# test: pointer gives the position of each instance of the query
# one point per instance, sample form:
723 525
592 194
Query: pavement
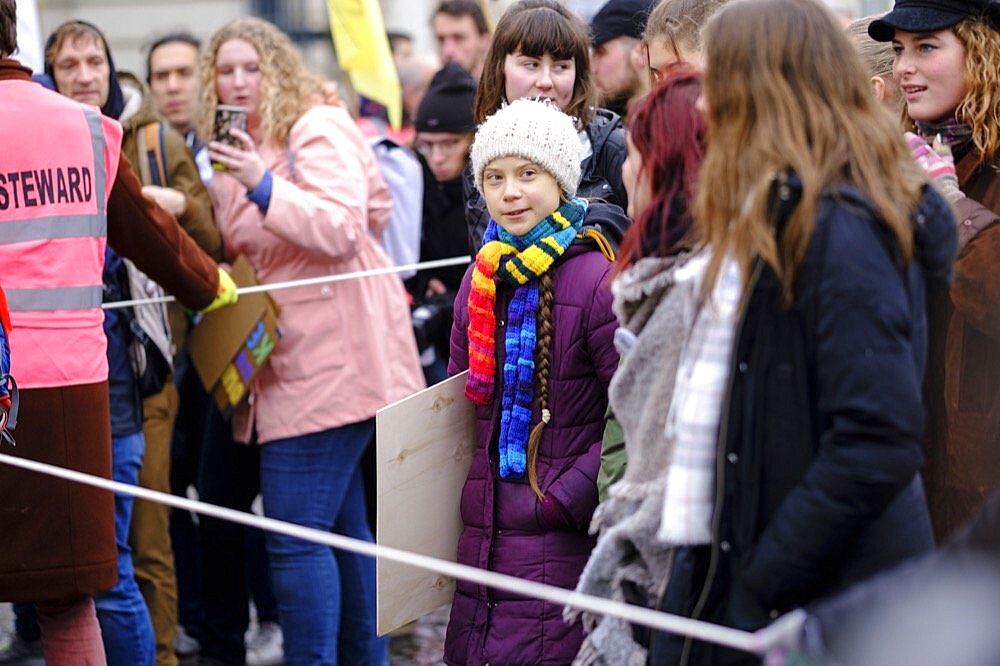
420 643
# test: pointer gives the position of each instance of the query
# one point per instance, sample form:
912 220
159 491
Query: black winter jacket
939 608
442 233
600 178
820 438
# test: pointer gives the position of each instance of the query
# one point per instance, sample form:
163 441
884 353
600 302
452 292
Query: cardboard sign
424 448
229 346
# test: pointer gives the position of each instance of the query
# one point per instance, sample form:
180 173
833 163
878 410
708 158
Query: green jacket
612 456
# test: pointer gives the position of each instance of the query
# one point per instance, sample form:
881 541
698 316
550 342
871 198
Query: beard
618 101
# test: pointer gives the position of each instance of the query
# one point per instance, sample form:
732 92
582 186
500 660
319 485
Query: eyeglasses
446 147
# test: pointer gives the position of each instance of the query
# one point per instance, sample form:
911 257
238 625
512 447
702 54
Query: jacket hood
138 106
605 122
115 103
609 221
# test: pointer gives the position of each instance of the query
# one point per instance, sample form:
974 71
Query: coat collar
12 69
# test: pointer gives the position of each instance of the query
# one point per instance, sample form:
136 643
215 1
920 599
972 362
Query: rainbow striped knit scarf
533 254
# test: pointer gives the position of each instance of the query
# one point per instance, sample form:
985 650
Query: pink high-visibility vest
58 161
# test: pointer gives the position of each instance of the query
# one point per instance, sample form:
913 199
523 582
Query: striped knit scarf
533 254
951 132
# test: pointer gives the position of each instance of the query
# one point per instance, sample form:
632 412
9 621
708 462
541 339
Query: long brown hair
8 27
536 28
786 91
287 88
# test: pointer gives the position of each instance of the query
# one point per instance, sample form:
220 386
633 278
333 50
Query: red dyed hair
668 130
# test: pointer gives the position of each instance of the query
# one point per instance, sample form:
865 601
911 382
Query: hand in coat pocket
553 515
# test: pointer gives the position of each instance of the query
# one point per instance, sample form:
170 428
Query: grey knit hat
535 130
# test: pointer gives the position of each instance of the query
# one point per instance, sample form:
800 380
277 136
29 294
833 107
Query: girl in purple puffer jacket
533 324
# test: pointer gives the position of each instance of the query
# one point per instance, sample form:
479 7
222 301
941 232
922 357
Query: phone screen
227 118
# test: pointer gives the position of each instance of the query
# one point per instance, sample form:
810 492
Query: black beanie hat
447 104
620 18
115 103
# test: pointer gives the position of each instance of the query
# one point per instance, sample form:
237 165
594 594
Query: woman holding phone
300 197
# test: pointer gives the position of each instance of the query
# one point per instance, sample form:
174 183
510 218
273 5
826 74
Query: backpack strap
592 234
152 155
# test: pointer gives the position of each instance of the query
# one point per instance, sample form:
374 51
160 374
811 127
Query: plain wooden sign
424 447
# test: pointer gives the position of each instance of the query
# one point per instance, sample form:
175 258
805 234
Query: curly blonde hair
980 107
287 88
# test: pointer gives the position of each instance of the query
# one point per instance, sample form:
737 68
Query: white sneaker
264 646
19 651
185 645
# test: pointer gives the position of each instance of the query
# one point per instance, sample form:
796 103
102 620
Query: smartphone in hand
227 118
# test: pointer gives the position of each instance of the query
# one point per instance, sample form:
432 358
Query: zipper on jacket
720 470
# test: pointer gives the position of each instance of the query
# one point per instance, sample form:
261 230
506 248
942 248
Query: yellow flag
363 52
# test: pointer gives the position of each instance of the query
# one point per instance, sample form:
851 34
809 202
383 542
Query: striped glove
936 159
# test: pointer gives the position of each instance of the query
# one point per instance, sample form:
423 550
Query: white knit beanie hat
535 130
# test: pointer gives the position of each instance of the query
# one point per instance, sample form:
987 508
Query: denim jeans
125 625
326 598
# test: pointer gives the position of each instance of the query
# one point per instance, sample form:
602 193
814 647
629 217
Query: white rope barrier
305 282
658 620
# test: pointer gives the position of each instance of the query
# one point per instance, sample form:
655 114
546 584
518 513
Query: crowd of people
731 332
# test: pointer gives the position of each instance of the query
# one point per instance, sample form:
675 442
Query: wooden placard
424 447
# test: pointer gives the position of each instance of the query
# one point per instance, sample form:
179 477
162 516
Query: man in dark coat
445 130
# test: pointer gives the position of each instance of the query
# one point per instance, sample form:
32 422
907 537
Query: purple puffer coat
504 529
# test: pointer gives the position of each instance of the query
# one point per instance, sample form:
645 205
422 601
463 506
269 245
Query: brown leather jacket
964 410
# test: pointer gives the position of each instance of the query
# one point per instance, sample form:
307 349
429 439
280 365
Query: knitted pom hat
535 130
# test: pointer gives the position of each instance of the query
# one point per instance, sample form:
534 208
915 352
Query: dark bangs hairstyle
668 130
535 28
8 27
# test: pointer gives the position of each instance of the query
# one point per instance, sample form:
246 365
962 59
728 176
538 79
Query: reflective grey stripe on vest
56 226
49 299
54 298
97 140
